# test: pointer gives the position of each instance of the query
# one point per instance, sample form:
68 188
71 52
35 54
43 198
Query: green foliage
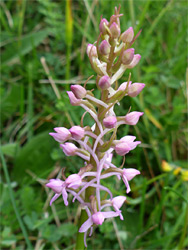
32 156
156 213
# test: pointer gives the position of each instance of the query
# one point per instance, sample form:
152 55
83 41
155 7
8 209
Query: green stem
28 243
80 236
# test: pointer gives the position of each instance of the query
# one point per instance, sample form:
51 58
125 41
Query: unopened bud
135 61
77 132
115 30
133 117
91 50
102 26
128 35
62 134
104 48
69 148
122 148
123 86
73 100
135 89
110 122
79 91
127 56
104 82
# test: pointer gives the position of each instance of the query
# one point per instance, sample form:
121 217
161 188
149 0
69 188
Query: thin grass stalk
11 193
69 35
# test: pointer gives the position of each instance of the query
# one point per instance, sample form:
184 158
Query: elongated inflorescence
109 56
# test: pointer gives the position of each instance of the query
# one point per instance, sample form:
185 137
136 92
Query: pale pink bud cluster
111 55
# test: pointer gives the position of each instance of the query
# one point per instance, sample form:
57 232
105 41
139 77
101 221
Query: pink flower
127 56
115 30
127 175
104 48
135 89
128 35
129 139
79 91
69 148
123 86
117 203
125 144
58 187
73 100
97 218
73 181
110 122
91 50
132 118
62 134
122 148
135 61
102 26
104 82
77 132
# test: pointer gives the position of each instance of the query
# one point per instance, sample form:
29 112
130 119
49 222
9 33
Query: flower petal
86 225
110 214
65 195
54 198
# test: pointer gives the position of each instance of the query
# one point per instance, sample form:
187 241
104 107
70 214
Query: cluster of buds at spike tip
109 56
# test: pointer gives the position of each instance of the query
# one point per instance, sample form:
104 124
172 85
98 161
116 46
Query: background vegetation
156 214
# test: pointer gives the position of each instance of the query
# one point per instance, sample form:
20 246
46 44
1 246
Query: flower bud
91 50
104 82
118 201
123 86
110 122
135 61
104 48
62 134
73 181
128 35
133 117
56 185
135 89
102 26
127 56
77 132
79 91
73 100
69 148
98 218
122 148
115 30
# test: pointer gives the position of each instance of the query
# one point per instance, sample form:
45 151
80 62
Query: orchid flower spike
110 57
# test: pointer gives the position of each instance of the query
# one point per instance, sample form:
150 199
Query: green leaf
9 149
35 156
23 46
10 101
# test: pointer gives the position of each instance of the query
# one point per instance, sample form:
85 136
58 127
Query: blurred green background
43 40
